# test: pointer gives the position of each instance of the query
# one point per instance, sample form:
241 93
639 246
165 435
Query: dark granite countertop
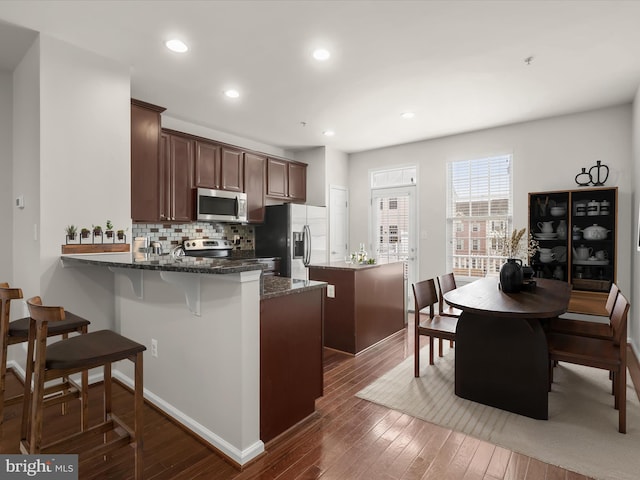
274 286
166 263
346 266
271 286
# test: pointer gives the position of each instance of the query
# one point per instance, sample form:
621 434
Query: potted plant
84 233
109 231
120 234
71 232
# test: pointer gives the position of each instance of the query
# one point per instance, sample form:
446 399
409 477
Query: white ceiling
459 65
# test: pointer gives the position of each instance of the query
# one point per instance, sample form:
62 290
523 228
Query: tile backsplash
170 235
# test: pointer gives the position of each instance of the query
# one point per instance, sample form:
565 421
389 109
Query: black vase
511 277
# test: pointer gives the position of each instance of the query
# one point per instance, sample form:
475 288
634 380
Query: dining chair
586 328
77 355
446 283
429 324
17 331
607 354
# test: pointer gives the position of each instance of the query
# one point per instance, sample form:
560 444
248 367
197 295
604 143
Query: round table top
548 299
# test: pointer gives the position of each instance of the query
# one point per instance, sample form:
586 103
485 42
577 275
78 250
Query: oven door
221 206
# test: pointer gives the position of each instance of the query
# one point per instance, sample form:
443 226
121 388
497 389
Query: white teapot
582 252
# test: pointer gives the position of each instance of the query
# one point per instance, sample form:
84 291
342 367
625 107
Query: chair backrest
611 299
446 283
424 294
619 320
43 314
6 295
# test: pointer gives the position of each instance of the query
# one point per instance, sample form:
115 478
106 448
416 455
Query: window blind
479 213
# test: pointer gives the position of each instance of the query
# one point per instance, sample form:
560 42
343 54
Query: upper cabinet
254 182
286 180
167 165
231 169
577 232
176 194
145 158
207 164
219 167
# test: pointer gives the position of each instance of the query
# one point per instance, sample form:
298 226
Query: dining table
501 355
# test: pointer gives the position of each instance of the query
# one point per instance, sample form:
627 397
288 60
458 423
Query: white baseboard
239 456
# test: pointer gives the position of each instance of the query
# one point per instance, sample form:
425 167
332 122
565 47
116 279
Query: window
479 212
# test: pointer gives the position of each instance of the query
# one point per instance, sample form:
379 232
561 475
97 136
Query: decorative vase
511 277
561 230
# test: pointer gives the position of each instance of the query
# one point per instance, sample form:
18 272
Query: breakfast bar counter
200 319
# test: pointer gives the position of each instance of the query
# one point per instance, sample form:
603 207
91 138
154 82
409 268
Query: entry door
393 236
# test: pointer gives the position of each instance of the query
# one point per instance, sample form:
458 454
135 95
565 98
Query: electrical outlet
331 291
154 348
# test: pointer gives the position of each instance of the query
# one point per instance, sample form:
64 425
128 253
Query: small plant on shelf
97 232
109 231
72 231
120 235
84 233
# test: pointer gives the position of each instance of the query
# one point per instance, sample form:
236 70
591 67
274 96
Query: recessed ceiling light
232 93
176 45
328 133
321 54
408 115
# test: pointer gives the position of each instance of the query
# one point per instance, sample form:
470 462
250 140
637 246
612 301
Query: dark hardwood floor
347 438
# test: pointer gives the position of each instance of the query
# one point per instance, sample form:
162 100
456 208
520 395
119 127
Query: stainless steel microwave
221 206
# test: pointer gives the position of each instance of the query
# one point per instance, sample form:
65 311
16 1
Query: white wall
72 164
547 155
6 190
26 176
634 317
181 126
316 174
337 168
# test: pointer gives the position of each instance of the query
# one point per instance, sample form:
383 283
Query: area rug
581 434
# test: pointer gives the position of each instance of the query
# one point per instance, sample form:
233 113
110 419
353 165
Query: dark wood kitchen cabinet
176 178
290 359
218 167
254 166
367 306
286 180
206 164
145 161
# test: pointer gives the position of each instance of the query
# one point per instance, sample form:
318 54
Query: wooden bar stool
64 358
17 332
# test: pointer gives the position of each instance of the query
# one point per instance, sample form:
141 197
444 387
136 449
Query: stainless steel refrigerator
295 233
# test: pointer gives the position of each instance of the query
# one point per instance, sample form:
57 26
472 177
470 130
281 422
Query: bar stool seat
17 331
74 355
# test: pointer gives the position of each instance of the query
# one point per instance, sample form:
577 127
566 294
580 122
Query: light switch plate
331 291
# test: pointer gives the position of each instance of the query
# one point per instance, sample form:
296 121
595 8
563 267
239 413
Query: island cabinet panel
254 166
145 155
290 359
368 305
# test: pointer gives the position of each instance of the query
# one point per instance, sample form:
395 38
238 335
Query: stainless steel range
207 247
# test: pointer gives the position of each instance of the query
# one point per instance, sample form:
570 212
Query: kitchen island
200 320
365 303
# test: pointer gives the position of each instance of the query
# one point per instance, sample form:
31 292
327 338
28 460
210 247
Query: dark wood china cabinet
577 233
